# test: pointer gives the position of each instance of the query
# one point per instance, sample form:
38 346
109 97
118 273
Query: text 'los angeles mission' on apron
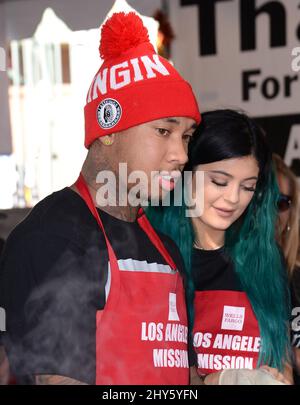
141 334
226 332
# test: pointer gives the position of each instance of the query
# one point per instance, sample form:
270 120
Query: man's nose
178 151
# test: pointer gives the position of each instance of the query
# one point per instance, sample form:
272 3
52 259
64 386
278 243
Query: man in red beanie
93 295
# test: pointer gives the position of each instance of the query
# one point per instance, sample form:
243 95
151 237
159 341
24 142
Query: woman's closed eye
224 184
219 183
249 188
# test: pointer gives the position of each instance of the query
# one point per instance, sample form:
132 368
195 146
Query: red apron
141 335
226 332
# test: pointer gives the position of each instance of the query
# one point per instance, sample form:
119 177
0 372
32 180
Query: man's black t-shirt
54 277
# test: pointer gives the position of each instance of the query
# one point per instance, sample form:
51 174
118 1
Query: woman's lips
224 213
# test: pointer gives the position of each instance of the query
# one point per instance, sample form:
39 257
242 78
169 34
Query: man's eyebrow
171 120
175 121
229 175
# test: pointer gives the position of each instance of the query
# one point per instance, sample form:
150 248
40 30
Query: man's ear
107 140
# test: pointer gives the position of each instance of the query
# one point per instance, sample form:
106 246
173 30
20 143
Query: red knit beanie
134 85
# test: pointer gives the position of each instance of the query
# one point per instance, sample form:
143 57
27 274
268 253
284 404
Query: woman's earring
288 228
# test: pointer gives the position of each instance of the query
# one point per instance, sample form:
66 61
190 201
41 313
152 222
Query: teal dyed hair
250 241
261 271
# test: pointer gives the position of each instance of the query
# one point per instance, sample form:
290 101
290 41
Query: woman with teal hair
236 282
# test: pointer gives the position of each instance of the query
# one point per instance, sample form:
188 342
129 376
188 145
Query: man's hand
47 379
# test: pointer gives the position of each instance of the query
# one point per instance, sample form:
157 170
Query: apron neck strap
152 235
85 194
